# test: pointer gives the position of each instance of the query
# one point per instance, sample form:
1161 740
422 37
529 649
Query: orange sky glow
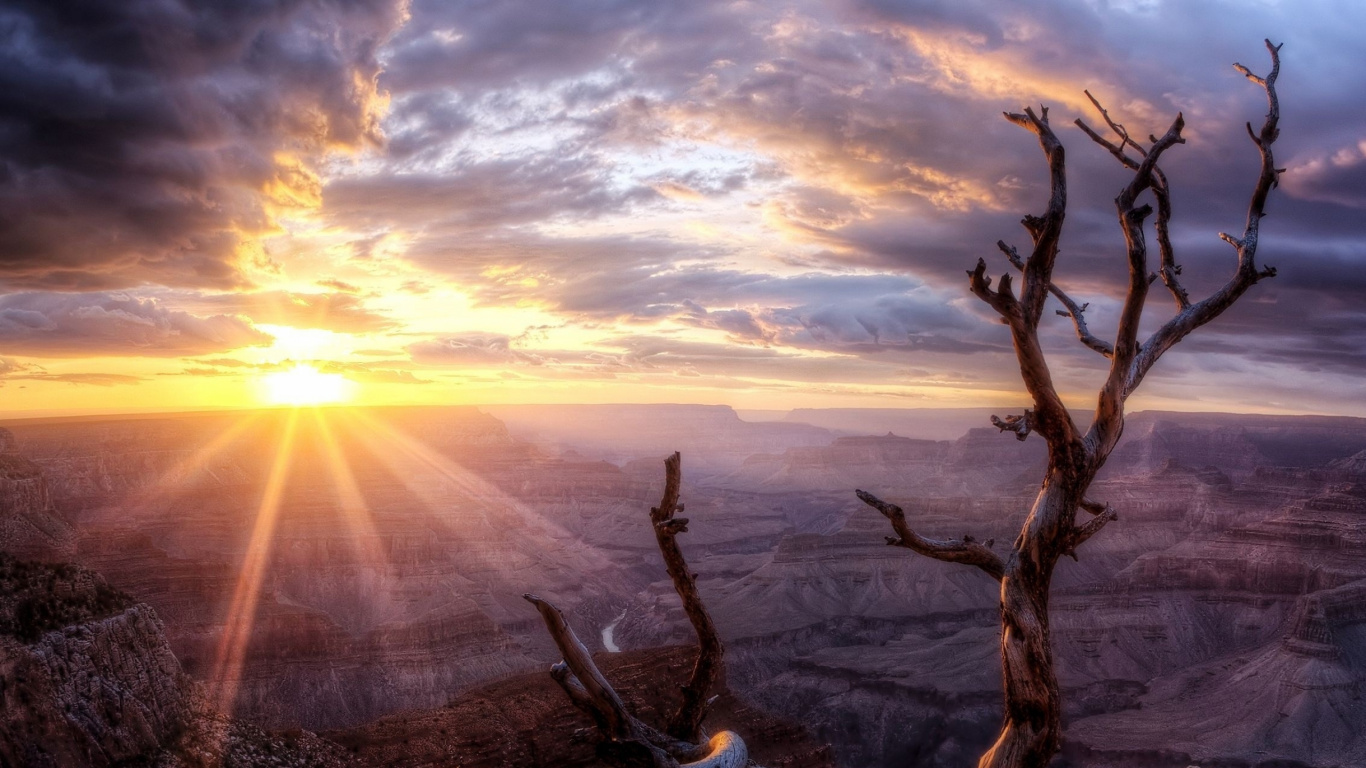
770 207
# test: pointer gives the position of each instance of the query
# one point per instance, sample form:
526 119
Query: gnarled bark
1032 731
686 723
623 739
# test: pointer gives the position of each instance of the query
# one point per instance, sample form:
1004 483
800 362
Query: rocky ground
527 721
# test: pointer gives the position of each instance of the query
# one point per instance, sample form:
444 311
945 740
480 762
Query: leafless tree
623 739
1031 733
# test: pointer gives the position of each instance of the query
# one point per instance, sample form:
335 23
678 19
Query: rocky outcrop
88 679
86 676
1235 443
30 527
396 595
1298 700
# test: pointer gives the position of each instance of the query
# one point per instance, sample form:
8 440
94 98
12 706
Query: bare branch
725 750
687 721
578 695
1115 149
1053 421
1169 269
1020 425
1073 311
1110 409
1046 229
627 741
1247 273
1254 78
1080 533
1094 507
593 686
1002 300
964 550
1124 139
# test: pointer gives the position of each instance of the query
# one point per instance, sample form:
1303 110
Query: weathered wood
686 722
625 741
1073 310
1032 730
965 550
725 750
589 685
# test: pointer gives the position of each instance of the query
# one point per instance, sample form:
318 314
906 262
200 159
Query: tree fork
624 740
1031 733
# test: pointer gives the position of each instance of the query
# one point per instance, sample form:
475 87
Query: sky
766 204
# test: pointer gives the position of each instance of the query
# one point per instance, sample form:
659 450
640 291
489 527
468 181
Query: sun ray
170 482
355 510
232 646
396 445
404 446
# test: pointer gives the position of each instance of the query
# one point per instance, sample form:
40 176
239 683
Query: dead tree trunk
1032 731
624 740
686 723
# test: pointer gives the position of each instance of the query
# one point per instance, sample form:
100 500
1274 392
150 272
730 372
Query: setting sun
383 381
305 385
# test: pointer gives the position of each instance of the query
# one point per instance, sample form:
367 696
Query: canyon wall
391 579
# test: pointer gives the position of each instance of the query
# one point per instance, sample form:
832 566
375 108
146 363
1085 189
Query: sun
305 385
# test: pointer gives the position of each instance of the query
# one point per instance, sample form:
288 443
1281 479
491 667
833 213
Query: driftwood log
1032 730
624 740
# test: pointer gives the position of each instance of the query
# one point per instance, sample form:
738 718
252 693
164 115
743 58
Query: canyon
1218 621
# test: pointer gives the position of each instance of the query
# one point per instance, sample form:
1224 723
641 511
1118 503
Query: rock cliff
86 675
30 527
397 556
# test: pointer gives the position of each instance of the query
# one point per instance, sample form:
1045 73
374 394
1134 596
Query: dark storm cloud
85 324
145 140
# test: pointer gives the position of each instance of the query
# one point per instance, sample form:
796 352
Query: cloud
468 349
340 286
13 370
362 372
342 312
1336 178
801 185
481 194
372 374
151 141
98 324
870 137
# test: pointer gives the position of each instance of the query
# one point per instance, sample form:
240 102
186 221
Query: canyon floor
358 573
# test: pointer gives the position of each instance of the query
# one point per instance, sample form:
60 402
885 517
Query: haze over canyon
1219 620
